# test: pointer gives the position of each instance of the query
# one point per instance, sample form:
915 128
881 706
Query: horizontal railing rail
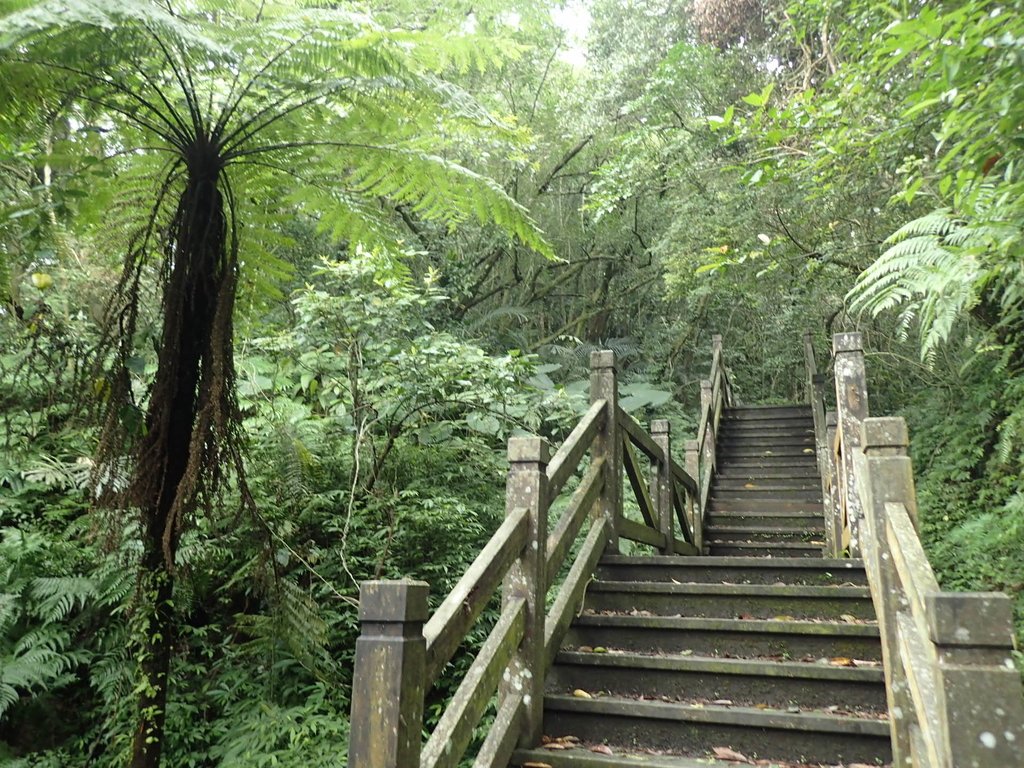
401 653
954 694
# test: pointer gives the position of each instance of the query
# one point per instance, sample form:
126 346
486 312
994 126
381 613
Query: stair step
810 483
774 495
715 570
777 549
729 600
728 453
728 533
777 520
718 636
804 736
583 757
740 464
727 440
768 412
767 426
743 682
764 504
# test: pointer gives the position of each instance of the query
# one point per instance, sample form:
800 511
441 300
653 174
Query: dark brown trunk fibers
163 486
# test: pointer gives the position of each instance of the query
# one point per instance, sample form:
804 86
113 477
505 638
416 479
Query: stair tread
583 757
859 628
754 717
752 590
807 670
712 561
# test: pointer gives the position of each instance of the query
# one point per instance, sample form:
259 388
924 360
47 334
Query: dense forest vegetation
279 279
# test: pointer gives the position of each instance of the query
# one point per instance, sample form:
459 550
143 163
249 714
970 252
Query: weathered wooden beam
571 592
887 484
497 749
663 485
607 443
639 437
580 506
634 531
527 579
852 409
680 505
636 480
447 744
566 460
683 476
462 607
388 678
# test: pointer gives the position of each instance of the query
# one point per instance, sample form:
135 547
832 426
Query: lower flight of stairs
680 662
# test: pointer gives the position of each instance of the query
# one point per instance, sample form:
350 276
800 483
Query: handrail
715 395
954 694
401 653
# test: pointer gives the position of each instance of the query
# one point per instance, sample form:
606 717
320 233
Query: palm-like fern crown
302 109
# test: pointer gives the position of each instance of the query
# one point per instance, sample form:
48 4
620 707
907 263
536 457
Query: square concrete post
707 457
662 484
608 443
830 481
692 467
527 487
980 693
890 479
852 408
389 676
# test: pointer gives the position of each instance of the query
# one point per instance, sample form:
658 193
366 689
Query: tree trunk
163 485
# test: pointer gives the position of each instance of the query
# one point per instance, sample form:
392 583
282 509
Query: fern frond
58 596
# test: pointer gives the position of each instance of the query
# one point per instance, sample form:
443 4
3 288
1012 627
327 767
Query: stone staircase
763 651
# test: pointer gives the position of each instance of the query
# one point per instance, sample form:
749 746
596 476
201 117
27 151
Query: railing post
830 483
980 690
696 513
389 675
662 483
889 478
707 458
608 443
527 486
852 407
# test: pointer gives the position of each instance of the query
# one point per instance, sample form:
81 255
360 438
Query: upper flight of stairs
762 647
766 493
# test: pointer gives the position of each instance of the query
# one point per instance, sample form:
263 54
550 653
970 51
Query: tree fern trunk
165 483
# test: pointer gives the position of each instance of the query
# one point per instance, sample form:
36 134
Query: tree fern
933 270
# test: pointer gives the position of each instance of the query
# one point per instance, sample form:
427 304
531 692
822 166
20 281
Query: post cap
705 384
692 445
398 601
970 618
848 342
660 426
884 432
529 449
831 419
602 358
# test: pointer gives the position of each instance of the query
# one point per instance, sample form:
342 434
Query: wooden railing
401 652
955 697
715 395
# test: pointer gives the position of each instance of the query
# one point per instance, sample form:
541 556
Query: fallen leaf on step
749 485
579 693
585 649
724 753
557 745
723 702
808 450
602 749
848 618
536 765
841 661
